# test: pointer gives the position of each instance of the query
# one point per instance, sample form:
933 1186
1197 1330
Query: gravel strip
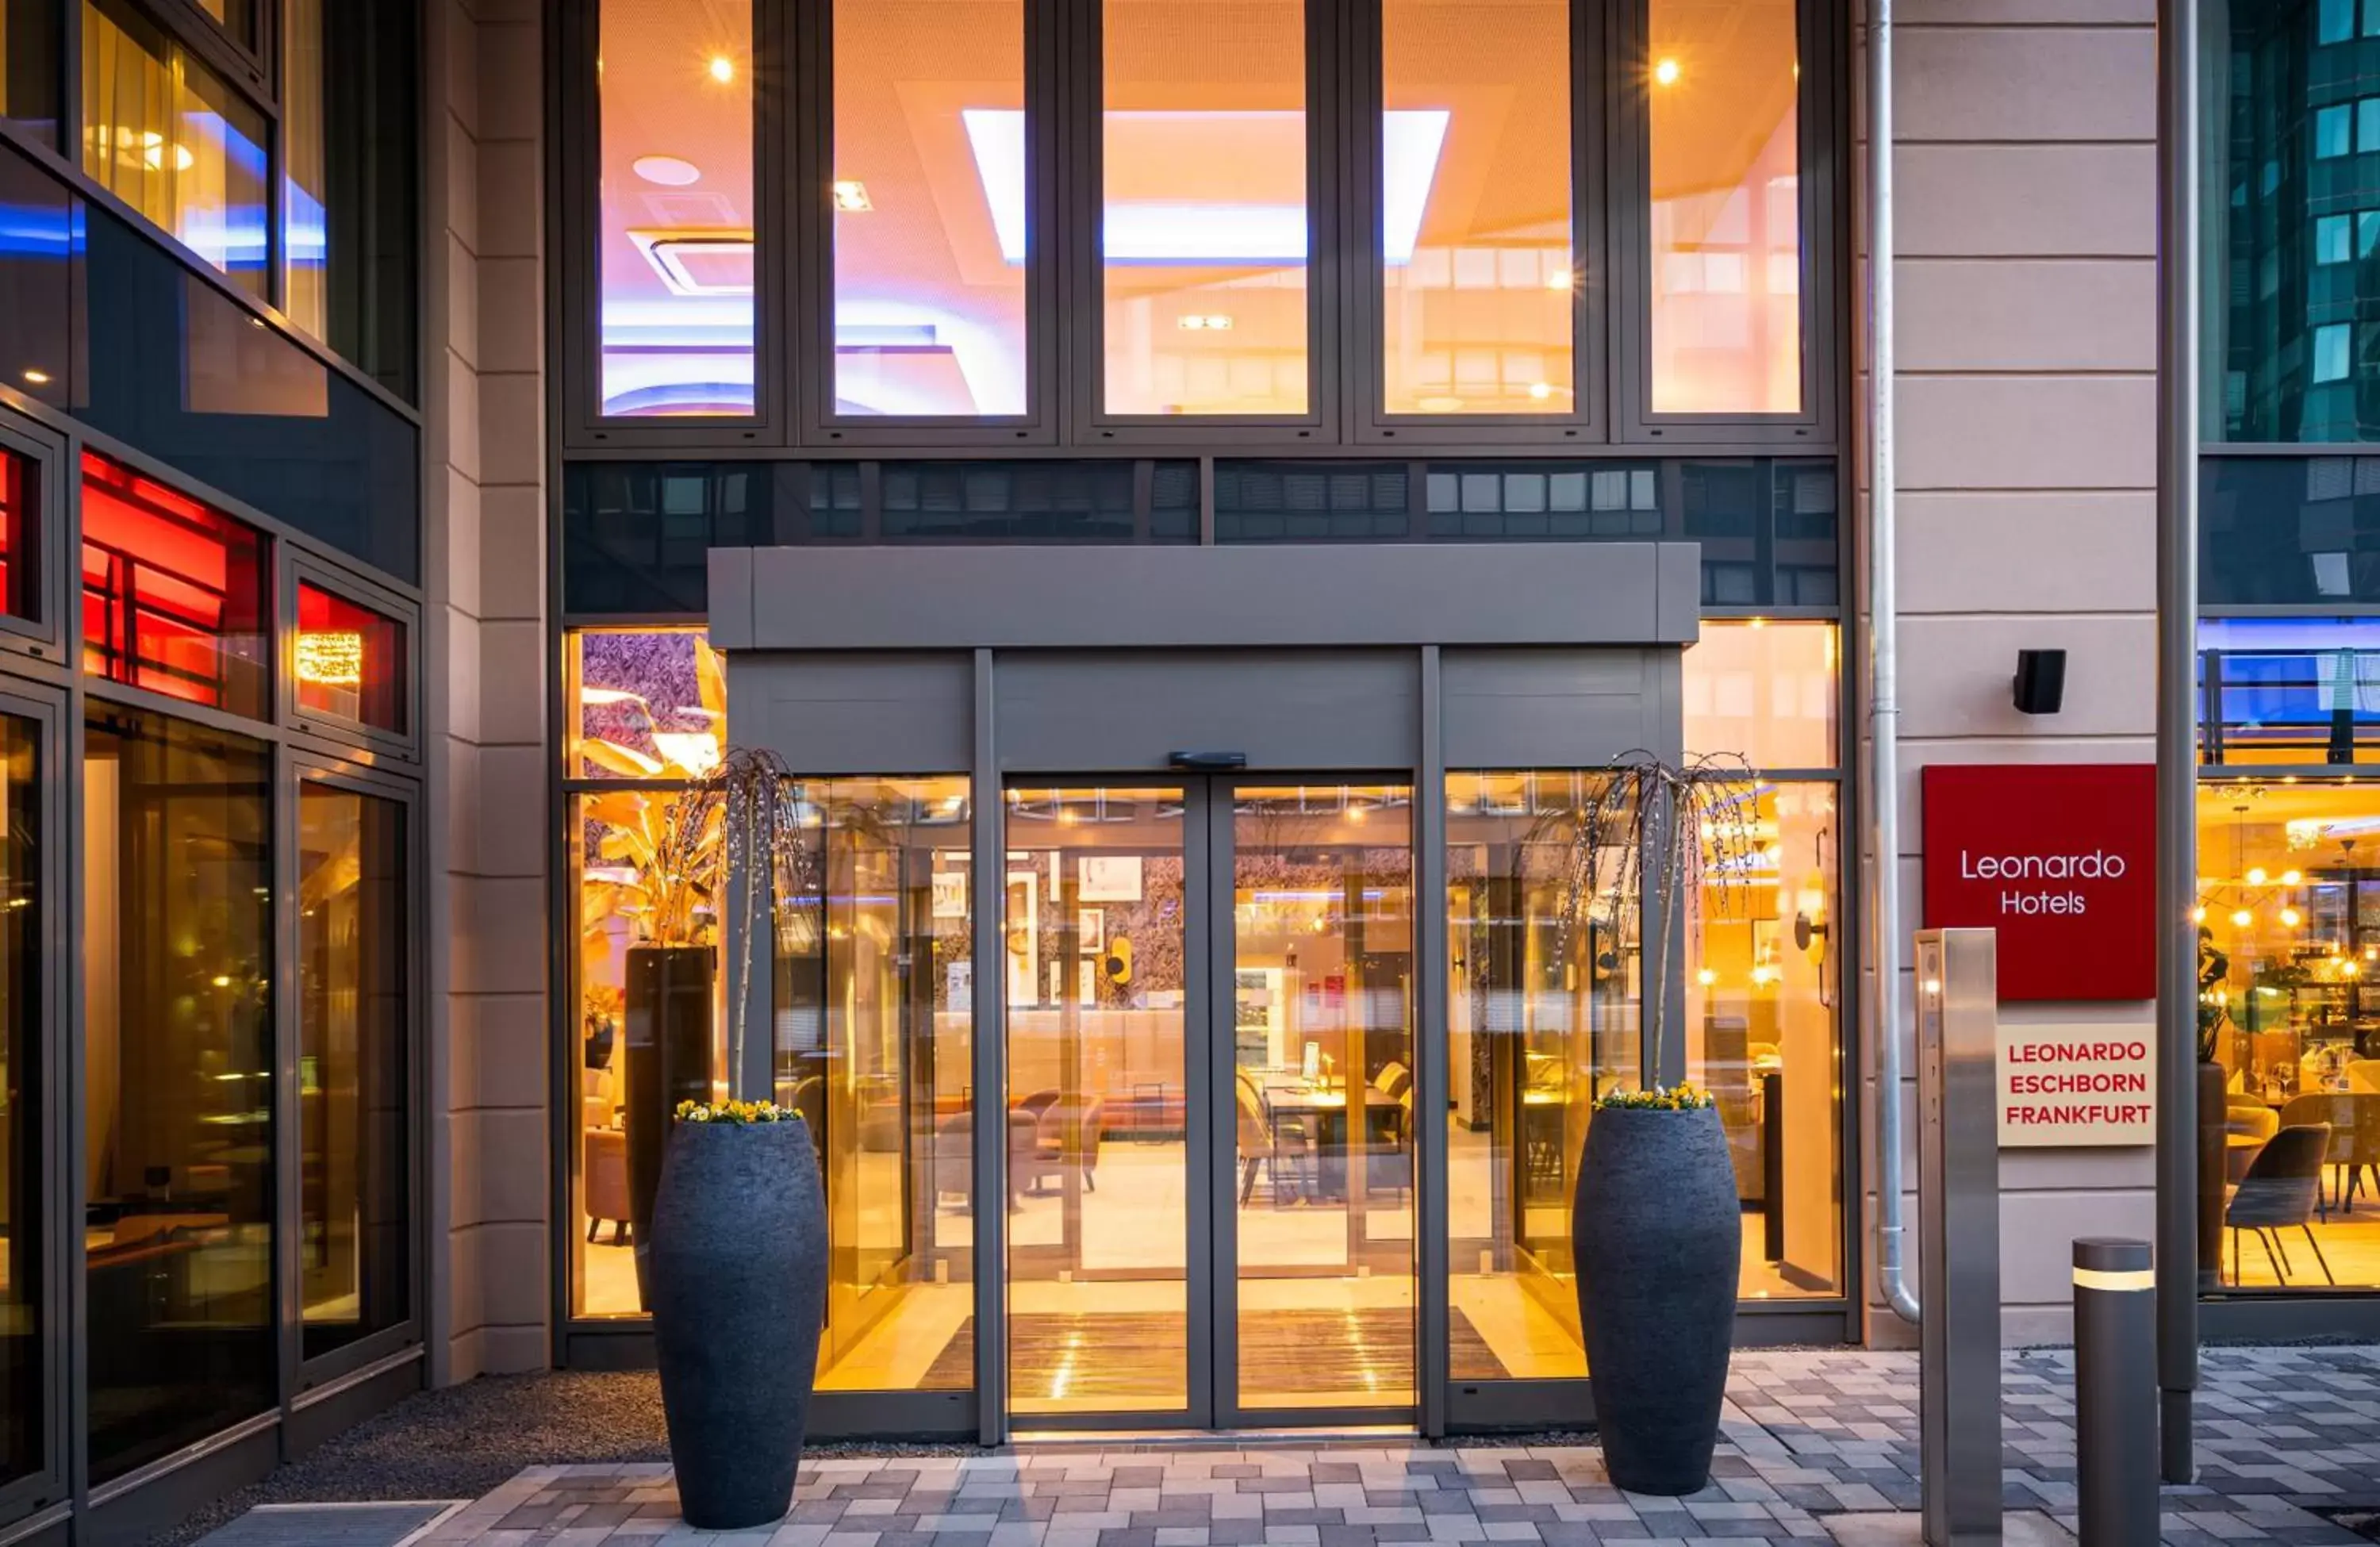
463 1440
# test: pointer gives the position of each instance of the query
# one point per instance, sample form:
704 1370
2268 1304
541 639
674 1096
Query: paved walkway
1819 1445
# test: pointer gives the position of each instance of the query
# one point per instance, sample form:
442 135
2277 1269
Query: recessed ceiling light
1541 390
1209 322
722 68
668 171
851 196
38 378
1666 72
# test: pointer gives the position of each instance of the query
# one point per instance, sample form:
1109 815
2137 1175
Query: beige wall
484 411
2025 140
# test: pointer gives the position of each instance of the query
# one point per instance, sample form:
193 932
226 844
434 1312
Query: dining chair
2280 1191
1262 1137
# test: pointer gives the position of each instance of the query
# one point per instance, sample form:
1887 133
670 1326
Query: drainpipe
1881 1004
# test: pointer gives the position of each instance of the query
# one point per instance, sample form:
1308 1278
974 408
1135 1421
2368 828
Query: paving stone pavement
1818 1445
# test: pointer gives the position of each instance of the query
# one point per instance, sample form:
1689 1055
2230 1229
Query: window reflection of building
353 1065
2288 691
2289 889
677 255
929 206
872 1039
1480 283
1543 1015
1724 83
1204 217
178 1094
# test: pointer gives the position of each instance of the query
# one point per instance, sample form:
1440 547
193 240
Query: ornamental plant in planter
736 1269
1656 1228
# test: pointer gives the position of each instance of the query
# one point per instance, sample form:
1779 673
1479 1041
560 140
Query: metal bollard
2116 1391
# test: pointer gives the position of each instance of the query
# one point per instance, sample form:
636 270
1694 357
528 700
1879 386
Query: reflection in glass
2288 690
21 567
1098 1091
177 1033
351 661
1476 314
23 1310
644 969
650 703
28 67
1322 1048
173 592
1205 224
1724 79
352 1067
677 254
164 134
1763 691
2288 972
305 242
929 206
873 1035
1542 1016
1763 1033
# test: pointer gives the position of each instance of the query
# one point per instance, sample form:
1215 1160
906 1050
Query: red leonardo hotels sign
2060 859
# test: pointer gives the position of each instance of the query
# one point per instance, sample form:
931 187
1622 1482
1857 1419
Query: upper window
167 136
350 661
1725 227
236 18
678 249
28 67
173 592
1478 279
1766 693
647 704
20 563
1204 221
929 200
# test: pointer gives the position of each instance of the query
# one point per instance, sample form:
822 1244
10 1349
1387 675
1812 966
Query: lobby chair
2280 1192
2245 1117
1262 1141
604 1174
2348 1117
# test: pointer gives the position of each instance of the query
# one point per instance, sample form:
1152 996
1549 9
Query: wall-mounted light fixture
2040 681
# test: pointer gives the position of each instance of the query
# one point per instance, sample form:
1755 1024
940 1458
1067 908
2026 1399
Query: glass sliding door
1100 1309
354 1066
1322 961
873 1040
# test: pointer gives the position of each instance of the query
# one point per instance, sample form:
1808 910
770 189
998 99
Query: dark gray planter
669 1061
1659 1238
739 1282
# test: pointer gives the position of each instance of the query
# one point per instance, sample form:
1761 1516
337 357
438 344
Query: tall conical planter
669 995
737 1275
1658 1240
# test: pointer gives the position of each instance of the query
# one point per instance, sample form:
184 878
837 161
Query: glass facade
29 67
25 1006
1204 217
1478 307
173 593
678 254
171 138
354 1067
351 662
931 204
1724 83
179 983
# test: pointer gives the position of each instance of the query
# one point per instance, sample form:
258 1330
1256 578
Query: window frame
1821 125
1588 422
1080 178
813 297
294 768
43 638
575 171
301 568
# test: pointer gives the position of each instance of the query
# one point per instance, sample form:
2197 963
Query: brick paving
1818 1445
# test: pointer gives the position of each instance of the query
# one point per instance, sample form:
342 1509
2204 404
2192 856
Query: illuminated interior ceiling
1205 170
677 249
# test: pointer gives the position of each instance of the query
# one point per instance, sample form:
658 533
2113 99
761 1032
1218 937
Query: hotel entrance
1212 1166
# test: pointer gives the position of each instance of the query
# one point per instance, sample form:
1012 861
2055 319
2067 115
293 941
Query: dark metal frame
42 637
792 296
378 1369
306 569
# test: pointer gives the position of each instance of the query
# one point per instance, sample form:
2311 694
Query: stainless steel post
2116 1391
2176 716
1959 1235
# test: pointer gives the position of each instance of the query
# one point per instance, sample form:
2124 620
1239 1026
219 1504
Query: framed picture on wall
1091 930
1110 878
